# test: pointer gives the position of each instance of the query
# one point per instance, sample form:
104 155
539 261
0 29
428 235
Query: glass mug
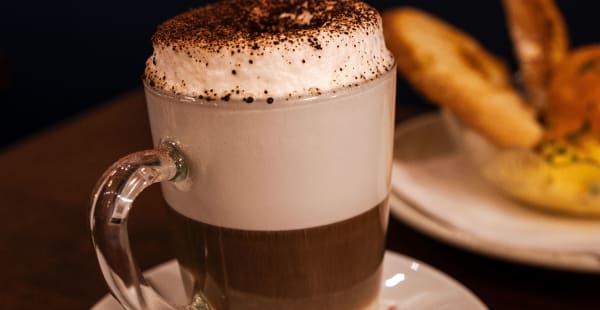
272 206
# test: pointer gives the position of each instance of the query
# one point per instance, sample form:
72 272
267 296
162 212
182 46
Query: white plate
407 284
437 191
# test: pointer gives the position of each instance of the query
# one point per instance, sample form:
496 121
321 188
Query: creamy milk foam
290 115
268 49
281 167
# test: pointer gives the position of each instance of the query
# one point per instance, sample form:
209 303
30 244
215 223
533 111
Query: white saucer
407 284
437 191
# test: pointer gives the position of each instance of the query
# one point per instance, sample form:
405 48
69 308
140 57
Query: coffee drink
284 111
335 266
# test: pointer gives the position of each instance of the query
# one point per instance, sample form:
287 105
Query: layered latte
285 111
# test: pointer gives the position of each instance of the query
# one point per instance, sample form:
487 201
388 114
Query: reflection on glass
393 281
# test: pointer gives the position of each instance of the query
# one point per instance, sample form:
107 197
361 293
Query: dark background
58 59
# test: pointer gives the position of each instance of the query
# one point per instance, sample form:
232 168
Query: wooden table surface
46 256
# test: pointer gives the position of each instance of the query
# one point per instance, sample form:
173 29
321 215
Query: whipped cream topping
267 50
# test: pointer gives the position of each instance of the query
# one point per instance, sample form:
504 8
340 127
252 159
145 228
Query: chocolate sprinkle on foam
289 47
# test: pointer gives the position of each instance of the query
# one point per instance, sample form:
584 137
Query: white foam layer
298 65
281 167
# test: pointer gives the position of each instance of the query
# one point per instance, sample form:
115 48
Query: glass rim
278 101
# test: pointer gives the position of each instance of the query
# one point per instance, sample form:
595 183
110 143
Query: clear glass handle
112 199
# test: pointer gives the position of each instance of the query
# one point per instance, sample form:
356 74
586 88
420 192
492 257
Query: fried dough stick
451 69
541 42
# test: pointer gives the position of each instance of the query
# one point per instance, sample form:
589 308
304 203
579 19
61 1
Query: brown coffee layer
335 266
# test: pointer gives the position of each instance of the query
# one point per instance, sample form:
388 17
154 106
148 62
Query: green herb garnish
575 135
587 66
